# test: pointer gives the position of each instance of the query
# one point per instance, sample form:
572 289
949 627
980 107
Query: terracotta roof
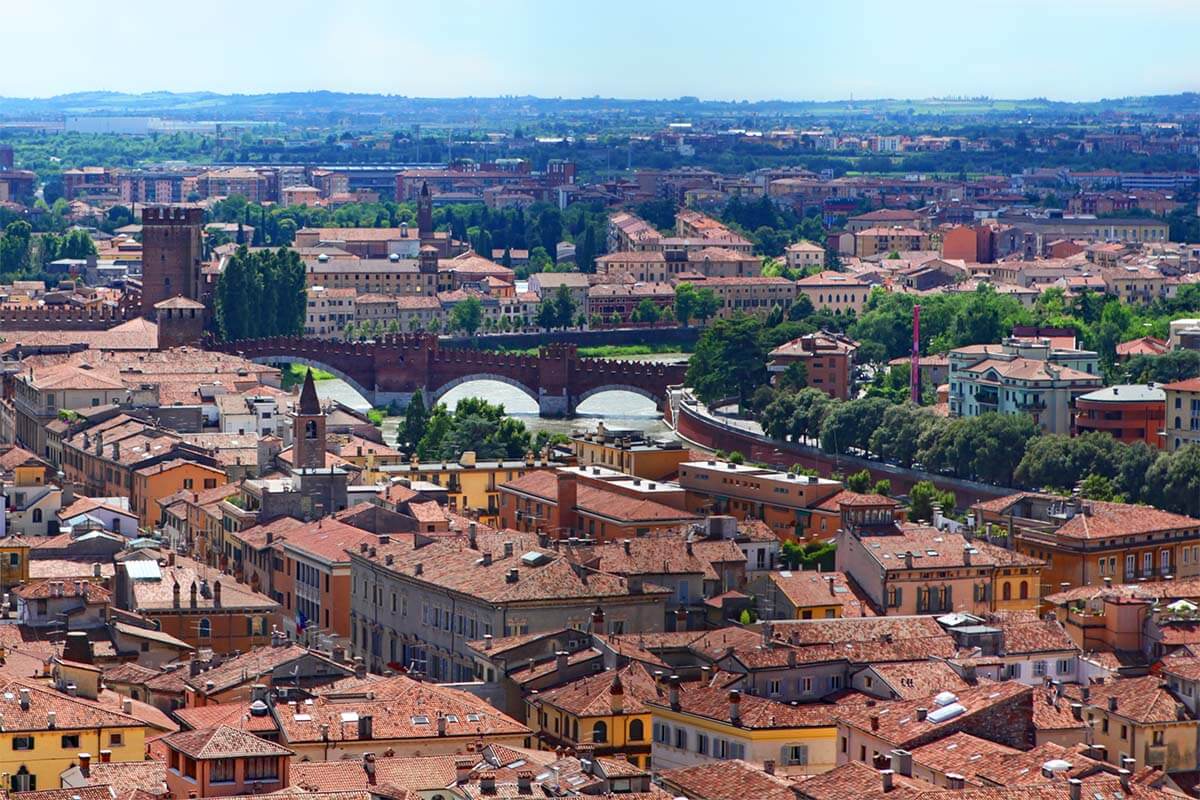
247 667
450 565
1144 700
590 696
128 776
855 780
223 742
1026 633
807 589
42 590
326 539
911 680
854 499
129 672
897 720
404 709
159 595
757 713
234 715
726 780
71 712
1101 519
959 752
543 484
658 555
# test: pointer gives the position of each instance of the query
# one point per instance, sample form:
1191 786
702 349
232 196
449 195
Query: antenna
914 377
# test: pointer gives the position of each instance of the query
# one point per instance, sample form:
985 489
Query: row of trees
474 424
260 293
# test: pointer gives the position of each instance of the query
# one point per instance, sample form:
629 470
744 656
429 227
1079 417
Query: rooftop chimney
886 776
735 707
85 764
369 765
105 756
673 692
598 621
1076 787
902 763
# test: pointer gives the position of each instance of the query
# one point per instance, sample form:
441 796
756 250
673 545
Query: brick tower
172 249
308 429
425 214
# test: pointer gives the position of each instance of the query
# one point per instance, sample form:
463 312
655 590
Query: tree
899 433
736 457
564 306
412 427
686 301
1173 481
848 426
549 227
539 260
467 315
585 250
659 213
882 487
645 311
547 313
707 305
922 498
859 482
729 360
260 293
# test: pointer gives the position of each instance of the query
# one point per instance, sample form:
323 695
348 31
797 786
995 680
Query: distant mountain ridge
213 105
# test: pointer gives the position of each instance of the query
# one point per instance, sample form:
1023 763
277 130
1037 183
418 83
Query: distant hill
308 105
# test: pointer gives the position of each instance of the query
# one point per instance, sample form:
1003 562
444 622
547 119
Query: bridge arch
368 394
436 394
621 387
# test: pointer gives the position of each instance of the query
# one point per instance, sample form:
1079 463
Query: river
617 409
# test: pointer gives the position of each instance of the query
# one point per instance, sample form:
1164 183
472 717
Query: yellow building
14 561
469 483
1140 719
698 724
630 452
606 711
45 731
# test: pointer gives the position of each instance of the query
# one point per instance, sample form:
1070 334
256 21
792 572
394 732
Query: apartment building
755 296
785 502
1181 425
328 311
1138 285
884 240
565 503
629 451
804 255
418 603
469 482
1089 541
1022 376
838 292
827 358
1129 413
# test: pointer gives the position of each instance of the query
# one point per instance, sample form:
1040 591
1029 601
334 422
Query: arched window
1024 590
600 732
37 515
22 781
205 628
575 730
1007 591
636 731
310 429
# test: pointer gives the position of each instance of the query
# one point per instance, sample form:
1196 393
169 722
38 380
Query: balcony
1031 405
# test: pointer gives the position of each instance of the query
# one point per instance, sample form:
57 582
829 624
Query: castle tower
180 322
172 249
308 428
425 214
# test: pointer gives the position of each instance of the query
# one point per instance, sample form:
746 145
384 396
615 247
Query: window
1124 731
1039 668
22 743
262 769
37 515
221 770
681 737
637 731
70 741
662 733
23 781
702 744
600 732
1063 666
773 688
205 628
795 754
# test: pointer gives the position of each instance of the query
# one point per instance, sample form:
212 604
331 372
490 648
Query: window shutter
785 755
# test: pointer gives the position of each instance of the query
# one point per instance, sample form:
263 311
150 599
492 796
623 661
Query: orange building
314 581
1132 413
826 358
166 478
563 504
224 761
786 502
971 244
1086 542
197 605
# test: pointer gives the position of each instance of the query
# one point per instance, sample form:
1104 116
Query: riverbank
292 375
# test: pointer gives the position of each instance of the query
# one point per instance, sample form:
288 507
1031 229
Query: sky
712 49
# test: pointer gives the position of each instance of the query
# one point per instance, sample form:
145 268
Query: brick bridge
392 368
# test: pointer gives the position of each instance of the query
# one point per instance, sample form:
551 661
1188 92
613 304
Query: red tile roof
223 742
726 780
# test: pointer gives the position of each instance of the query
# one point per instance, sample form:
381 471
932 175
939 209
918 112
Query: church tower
425 214
308 429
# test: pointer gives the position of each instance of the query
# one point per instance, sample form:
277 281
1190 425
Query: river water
617 409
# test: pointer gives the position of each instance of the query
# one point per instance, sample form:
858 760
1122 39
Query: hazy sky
714 49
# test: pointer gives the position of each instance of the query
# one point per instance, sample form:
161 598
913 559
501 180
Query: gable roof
223 742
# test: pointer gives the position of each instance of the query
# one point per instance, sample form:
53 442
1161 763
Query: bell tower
425 214
308 428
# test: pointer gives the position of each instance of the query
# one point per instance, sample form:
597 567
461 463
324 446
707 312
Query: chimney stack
85 764
886 775
902 763
735 706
